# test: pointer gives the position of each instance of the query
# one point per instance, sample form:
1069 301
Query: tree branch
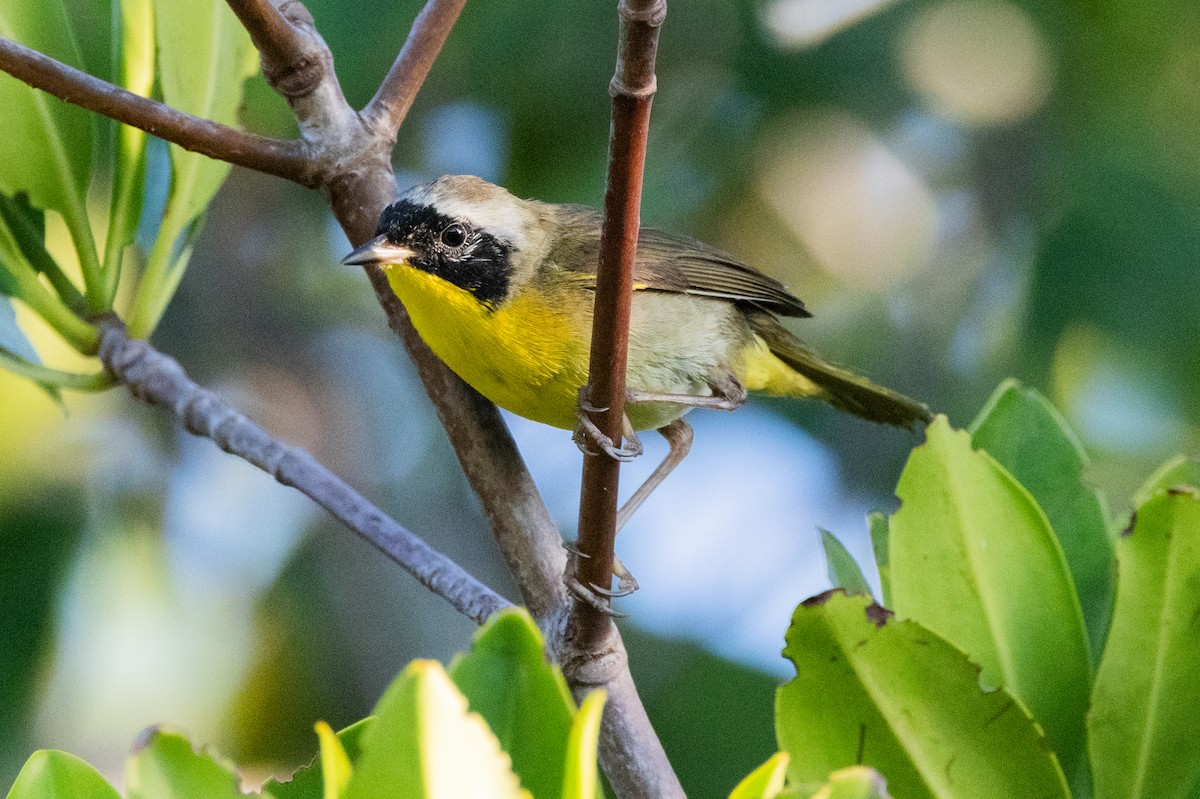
157 379
387 109
286 53
285 159
592 652
632 90
347 157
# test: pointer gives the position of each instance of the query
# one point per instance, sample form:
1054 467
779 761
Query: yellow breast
523 355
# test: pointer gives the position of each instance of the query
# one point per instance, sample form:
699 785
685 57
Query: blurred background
960 190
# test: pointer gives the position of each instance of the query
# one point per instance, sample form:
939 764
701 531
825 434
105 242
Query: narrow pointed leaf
1144 726
50 774
841 567
973 558
580 776
46 149
204 57
335 763
766 781
877 524
892 695
1028 436
424 744
308 782
524 698
133 30
27 228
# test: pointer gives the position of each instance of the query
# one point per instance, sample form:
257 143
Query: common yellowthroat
501 289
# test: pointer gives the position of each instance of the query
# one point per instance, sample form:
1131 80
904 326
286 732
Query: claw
611 594
584 594
587 435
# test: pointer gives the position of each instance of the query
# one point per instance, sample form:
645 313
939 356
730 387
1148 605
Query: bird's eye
454 235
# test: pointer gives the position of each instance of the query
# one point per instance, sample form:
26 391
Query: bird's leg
728 394
679 437
587 434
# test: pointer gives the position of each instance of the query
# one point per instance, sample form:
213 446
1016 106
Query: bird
502 289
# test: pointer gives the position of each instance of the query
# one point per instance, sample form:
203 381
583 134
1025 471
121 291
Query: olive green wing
670 262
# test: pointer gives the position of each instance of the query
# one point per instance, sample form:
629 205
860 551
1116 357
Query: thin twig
399 88
157 379
285 159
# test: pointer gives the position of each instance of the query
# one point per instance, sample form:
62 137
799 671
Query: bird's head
462 229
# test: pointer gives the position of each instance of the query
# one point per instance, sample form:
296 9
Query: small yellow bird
502 289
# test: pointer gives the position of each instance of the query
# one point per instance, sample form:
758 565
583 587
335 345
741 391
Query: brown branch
285 159
632 90
287 54
157 379
593 654
347 157
399 88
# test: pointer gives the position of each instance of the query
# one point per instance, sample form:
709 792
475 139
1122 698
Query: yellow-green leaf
424 744
973 558
766 781
49 774
1144 725
580 779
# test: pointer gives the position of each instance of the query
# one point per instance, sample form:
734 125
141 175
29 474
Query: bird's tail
840 387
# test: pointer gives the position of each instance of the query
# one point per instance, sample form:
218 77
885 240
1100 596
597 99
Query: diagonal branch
399 88
157 379
285 159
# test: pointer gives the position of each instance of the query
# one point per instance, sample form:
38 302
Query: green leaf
204 56
843 571
424 744
1029 437
1144 726
308 782
27 227
133 48
46 149
766 781
18 279
1179 471
164 766
892 695
50 774
856 782
877 523
524 699
335 762
975 561
581 779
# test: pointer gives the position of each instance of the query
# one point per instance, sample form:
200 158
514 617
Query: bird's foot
591 440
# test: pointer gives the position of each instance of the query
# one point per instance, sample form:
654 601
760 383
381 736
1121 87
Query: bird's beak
379 251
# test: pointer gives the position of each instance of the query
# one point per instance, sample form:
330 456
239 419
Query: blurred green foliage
1057 244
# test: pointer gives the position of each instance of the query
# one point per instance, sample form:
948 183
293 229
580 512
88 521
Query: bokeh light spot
980 62
860 211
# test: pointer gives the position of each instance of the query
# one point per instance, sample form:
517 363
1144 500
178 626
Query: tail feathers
842 388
